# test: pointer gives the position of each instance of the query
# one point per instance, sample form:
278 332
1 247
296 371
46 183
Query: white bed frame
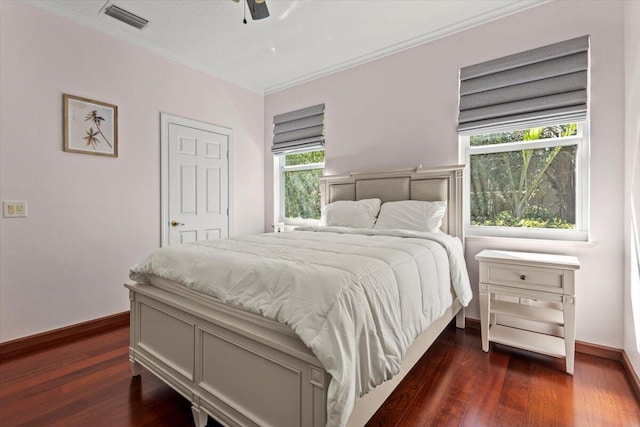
245 370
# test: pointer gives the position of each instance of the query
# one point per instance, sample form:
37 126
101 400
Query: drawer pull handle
523 277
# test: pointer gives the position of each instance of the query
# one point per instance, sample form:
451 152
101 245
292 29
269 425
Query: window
298 149
298 201
527 183
523 135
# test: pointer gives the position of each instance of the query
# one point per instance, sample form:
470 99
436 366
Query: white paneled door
197 181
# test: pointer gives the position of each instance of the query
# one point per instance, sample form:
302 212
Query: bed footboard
242 369
240 372
460 318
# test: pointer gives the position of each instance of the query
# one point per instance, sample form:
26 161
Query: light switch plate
14 208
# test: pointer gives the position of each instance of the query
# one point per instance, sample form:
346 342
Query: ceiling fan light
258 9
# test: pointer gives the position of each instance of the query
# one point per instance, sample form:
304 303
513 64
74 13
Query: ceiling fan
258 9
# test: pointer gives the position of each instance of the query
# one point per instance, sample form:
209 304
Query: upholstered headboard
405 184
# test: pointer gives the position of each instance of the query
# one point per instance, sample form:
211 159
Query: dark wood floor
87 383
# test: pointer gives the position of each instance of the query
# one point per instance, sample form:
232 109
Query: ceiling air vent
125 16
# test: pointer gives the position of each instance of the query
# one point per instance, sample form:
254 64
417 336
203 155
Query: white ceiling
300 41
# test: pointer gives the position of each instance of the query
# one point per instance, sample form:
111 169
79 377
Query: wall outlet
14 208
526 301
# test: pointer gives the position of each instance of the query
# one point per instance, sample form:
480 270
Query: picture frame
90 127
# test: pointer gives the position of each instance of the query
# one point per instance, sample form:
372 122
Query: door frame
165 120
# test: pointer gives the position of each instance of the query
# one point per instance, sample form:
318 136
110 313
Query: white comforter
357 298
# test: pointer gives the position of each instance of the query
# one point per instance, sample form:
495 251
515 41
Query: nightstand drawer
549 280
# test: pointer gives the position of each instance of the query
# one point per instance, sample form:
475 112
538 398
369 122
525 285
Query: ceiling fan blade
258 9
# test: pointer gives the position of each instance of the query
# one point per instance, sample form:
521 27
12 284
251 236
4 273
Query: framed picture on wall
90 127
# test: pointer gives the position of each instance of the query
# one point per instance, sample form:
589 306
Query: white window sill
527 233
301 222
525 242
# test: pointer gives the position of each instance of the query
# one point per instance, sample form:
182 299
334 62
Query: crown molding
127 37
448 30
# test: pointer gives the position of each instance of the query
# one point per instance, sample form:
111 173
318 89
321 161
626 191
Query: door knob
175 223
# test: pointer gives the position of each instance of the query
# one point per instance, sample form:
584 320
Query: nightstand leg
484 316
569 309
492 316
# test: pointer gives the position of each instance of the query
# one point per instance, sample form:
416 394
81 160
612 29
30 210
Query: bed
245 369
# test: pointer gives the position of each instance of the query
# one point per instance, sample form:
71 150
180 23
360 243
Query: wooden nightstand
528 276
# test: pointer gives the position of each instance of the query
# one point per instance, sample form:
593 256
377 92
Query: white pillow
412 215
346 213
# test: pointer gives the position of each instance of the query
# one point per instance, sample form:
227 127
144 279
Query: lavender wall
90 217
400 111
632 187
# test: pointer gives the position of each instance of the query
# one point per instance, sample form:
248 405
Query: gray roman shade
300 130
529 89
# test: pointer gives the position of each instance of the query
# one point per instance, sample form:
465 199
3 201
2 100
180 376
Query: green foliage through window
533 188
309 157
548 132
302 184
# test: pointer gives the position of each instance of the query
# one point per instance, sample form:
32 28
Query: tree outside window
525 178
300 184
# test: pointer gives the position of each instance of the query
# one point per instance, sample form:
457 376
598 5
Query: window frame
581 139
279 169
